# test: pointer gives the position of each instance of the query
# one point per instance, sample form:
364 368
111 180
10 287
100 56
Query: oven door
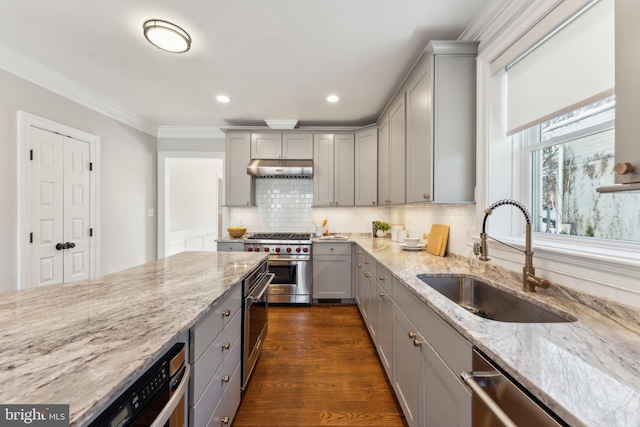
255 323
292 280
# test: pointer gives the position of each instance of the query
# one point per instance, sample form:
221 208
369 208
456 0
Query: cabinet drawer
225 412
446 341
369 264
210 326
332 248
215 356
385 280
230 247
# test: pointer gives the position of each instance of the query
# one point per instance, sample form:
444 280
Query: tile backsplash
287 205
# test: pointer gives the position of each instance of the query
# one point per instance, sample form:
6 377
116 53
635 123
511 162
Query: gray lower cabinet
215 356
230 246
332 271
421 353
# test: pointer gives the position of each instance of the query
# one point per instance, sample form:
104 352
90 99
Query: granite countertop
587 371
82 343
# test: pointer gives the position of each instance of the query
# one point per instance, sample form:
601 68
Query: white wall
127 174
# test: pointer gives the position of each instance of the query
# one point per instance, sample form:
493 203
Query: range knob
277 249
256 249
288 249
297 249
249 249
266 249
305 250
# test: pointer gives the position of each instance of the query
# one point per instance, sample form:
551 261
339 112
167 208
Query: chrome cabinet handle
226 313
469 379
412 334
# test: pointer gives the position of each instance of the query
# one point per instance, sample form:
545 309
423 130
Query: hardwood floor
318 367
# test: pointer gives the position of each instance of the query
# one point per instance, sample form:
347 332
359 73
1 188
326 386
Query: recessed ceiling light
223 98
166 36
333 98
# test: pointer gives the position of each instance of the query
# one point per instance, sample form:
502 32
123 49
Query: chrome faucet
529 279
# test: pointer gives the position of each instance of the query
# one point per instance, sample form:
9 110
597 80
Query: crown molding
191 132
45 77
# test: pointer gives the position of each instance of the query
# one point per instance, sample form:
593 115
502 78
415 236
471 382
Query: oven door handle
175 400
284 261
264 288
470 379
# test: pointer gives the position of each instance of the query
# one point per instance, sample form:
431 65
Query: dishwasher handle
470 379
175 400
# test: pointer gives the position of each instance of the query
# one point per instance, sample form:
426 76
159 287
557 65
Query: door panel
46 200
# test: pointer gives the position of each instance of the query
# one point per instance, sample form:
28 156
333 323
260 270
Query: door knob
61 246
69 245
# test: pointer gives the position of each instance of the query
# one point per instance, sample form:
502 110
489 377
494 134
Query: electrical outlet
150 212
240 221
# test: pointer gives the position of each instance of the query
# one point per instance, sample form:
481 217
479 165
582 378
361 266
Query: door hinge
30 154
91 232
30 237
90 166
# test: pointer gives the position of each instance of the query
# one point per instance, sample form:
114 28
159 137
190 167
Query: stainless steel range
289 260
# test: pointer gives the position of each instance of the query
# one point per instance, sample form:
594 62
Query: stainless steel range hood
280 169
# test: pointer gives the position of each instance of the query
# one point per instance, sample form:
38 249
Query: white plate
412 248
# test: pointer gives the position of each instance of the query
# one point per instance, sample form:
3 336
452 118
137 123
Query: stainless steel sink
489 302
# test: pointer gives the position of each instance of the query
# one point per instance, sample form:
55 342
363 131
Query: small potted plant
381 228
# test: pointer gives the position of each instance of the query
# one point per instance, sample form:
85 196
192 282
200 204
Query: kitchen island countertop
82 343
587 371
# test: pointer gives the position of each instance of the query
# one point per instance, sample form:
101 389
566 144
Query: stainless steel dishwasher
498 401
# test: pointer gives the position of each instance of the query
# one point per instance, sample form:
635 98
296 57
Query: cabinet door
420 136
406 366
266 146
372 302
359 279
385 330
446 400
366 170
238 185
323 170
384 170
298 146
362 292
343 164
332 276
397 170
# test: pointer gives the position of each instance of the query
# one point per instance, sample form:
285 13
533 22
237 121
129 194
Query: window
571 155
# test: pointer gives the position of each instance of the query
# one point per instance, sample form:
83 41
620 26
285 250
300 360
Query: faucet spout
529 279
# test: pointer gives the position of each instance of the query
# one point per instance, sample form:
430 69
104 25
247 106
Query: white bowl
412 241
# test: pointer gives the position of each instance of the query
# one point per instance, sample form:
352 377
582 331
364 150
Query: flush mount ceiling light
166 36
223 98
333 98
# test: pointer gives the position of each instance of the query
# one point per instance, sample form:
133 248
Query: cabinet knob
226 346
225 420
315 258
417 343
366 274
336 203
373 203
331 249
623 168
226 313
226 379
381 294
366 262
382 278
359 265
412 334
425 196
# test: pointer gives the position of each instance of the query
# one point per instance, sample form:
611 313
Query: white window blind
573 67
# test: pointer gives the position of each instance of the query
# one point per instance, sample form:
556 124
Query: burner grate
280 236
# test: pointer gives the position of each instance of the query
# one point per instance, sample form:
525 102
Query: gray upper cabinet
291 145
333 173
366 169
440 124
391 154
627 38
238 186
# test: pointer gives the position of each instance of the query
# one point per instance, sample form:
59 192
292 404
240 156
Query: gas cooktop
280 236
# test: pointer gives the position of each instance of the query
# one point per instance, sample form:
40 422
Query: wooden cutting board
437 239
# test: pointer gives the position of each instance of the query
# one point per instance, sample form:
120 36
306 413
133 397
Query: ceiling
276 59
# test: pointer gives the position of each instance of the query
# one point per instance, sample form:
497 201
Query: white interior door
47 218
60 208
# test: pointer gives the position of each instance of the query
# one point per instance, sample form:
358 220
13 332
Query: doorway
57 192
189 201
